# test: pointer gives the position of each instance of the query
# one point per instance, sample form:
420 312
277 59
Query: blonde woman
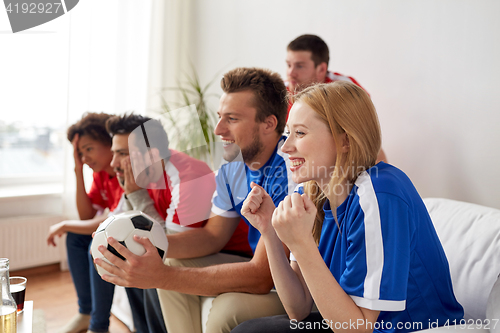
363 247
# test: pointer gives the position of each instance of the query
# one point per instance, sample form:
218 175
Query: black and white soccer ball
123 227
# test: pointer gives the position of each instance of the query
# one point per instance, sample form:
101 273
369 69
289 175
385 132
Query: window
34 81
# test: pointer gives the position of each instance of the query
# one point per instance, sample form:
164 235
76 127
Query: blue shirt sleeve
232 188
222 203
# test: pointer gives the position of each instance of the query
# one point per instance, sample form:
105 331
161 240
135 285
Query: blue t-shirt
387 255
233 185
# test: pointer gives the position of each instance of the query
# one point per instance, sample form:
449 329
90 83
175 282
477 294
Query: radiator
24 241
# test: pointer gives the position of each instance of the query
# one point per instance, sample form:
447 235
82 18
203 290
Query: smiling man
252 115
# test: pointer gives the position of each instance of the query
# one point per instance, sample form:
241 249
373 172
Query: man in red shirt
307 60
307 63
170 186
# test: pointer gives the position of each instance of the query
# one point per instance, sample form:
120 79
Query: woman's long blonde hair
344 108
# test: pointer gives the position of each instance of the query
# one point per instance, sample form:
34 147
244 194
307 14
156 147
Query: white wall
431 67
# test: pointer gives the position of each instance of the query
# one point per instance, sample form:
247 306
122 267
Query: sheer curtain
109 49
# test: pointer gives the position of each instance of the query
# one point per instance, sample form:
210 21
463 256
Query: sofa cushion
470 235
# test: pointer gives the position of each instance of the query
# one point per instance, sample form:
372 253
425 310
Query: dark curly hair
269 90
93 125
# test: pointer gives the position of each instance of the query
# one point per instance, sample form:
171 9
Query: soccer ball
123 227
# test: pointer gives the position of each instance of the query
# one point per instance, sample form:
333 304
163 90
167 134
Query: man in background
307 60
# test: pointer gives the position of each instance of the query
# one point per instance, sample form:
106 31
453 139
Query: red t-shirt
187 200
105 191
331 77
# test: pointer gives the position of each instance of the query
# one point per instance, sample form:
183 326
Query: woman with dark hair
364 249
92 146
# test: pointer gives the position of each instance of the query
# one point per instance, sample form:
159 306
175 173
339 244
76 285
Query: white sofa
470 235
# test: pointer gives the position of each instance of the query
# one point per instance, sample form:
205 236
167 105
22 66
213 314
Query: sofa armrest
470 235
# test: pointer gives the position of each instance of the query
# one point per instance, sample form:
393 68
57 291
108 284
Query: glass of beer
18 291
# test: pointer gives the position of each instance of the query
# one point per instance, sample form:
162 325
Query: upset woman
92 146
